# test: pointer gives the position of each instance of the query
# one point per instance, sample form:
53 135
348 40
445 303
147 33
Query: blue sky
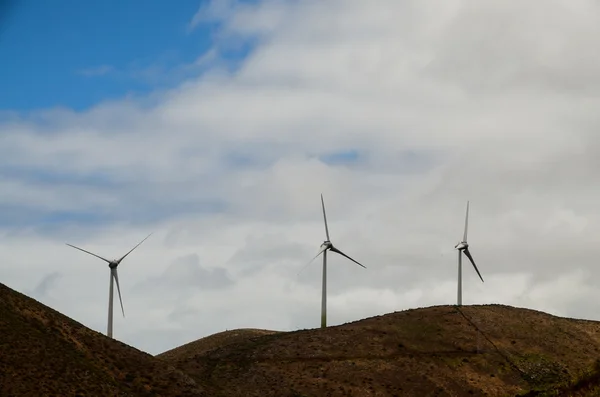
76 54
71 53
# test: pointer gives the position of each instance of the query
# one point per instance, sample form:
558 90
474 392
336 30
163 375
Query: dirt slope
439 351
44 353
435 351
219 340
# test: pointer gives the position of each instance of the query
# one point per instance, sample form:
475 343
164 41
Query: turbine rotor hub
462 246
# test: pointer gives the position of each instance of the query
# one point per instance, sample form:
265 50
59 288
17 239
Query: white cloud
495 103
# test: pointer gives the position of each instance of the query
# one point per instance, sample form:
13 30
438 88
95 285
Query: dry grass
218 340
43 353
424 352
488 350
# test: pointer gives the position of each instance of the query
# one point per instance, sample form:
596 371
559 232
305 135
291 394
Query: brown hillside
433 351
43 353
221 339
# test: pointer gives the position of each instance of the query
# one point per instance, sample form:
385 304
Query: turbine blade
88 252
468 254
123 257
311 261
466 223
323 249
116 277
325 217
342 254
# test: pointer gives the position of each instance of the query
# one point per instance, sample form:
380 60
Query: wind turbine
114 277
327 246
463 247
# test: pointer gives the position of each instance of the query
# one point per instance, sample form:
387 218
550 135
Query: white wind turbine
463 246
327 246
114 277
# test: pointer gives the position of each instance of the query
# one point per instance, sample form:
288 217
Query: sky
75 55
218 124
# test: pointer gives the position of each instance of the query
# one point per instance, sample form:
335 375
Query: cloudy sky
217 124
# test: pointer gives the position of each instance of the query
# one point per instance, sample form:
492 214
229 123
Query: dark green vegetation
438 351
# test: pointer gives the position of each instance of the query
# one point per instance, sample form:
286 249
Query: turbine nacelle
462 246
326 245
114 263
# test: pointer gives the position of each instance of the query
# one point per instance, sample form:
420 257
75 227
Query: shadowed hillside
43 353
435 351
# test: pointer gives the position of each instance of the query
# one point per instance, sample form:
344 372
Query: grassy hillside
438 351
43 353
435 351
218 340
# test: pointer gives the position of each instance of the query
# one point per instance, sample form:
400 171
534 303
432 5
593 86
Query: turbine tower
327 246
463 247
114 277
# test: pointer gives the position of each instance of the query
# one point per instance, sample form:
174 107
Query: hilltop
44 353
215 341
489 350
436 351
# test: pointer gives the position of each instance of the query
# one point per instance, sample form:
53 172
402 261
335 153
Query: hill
488 350
218 340
44 353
